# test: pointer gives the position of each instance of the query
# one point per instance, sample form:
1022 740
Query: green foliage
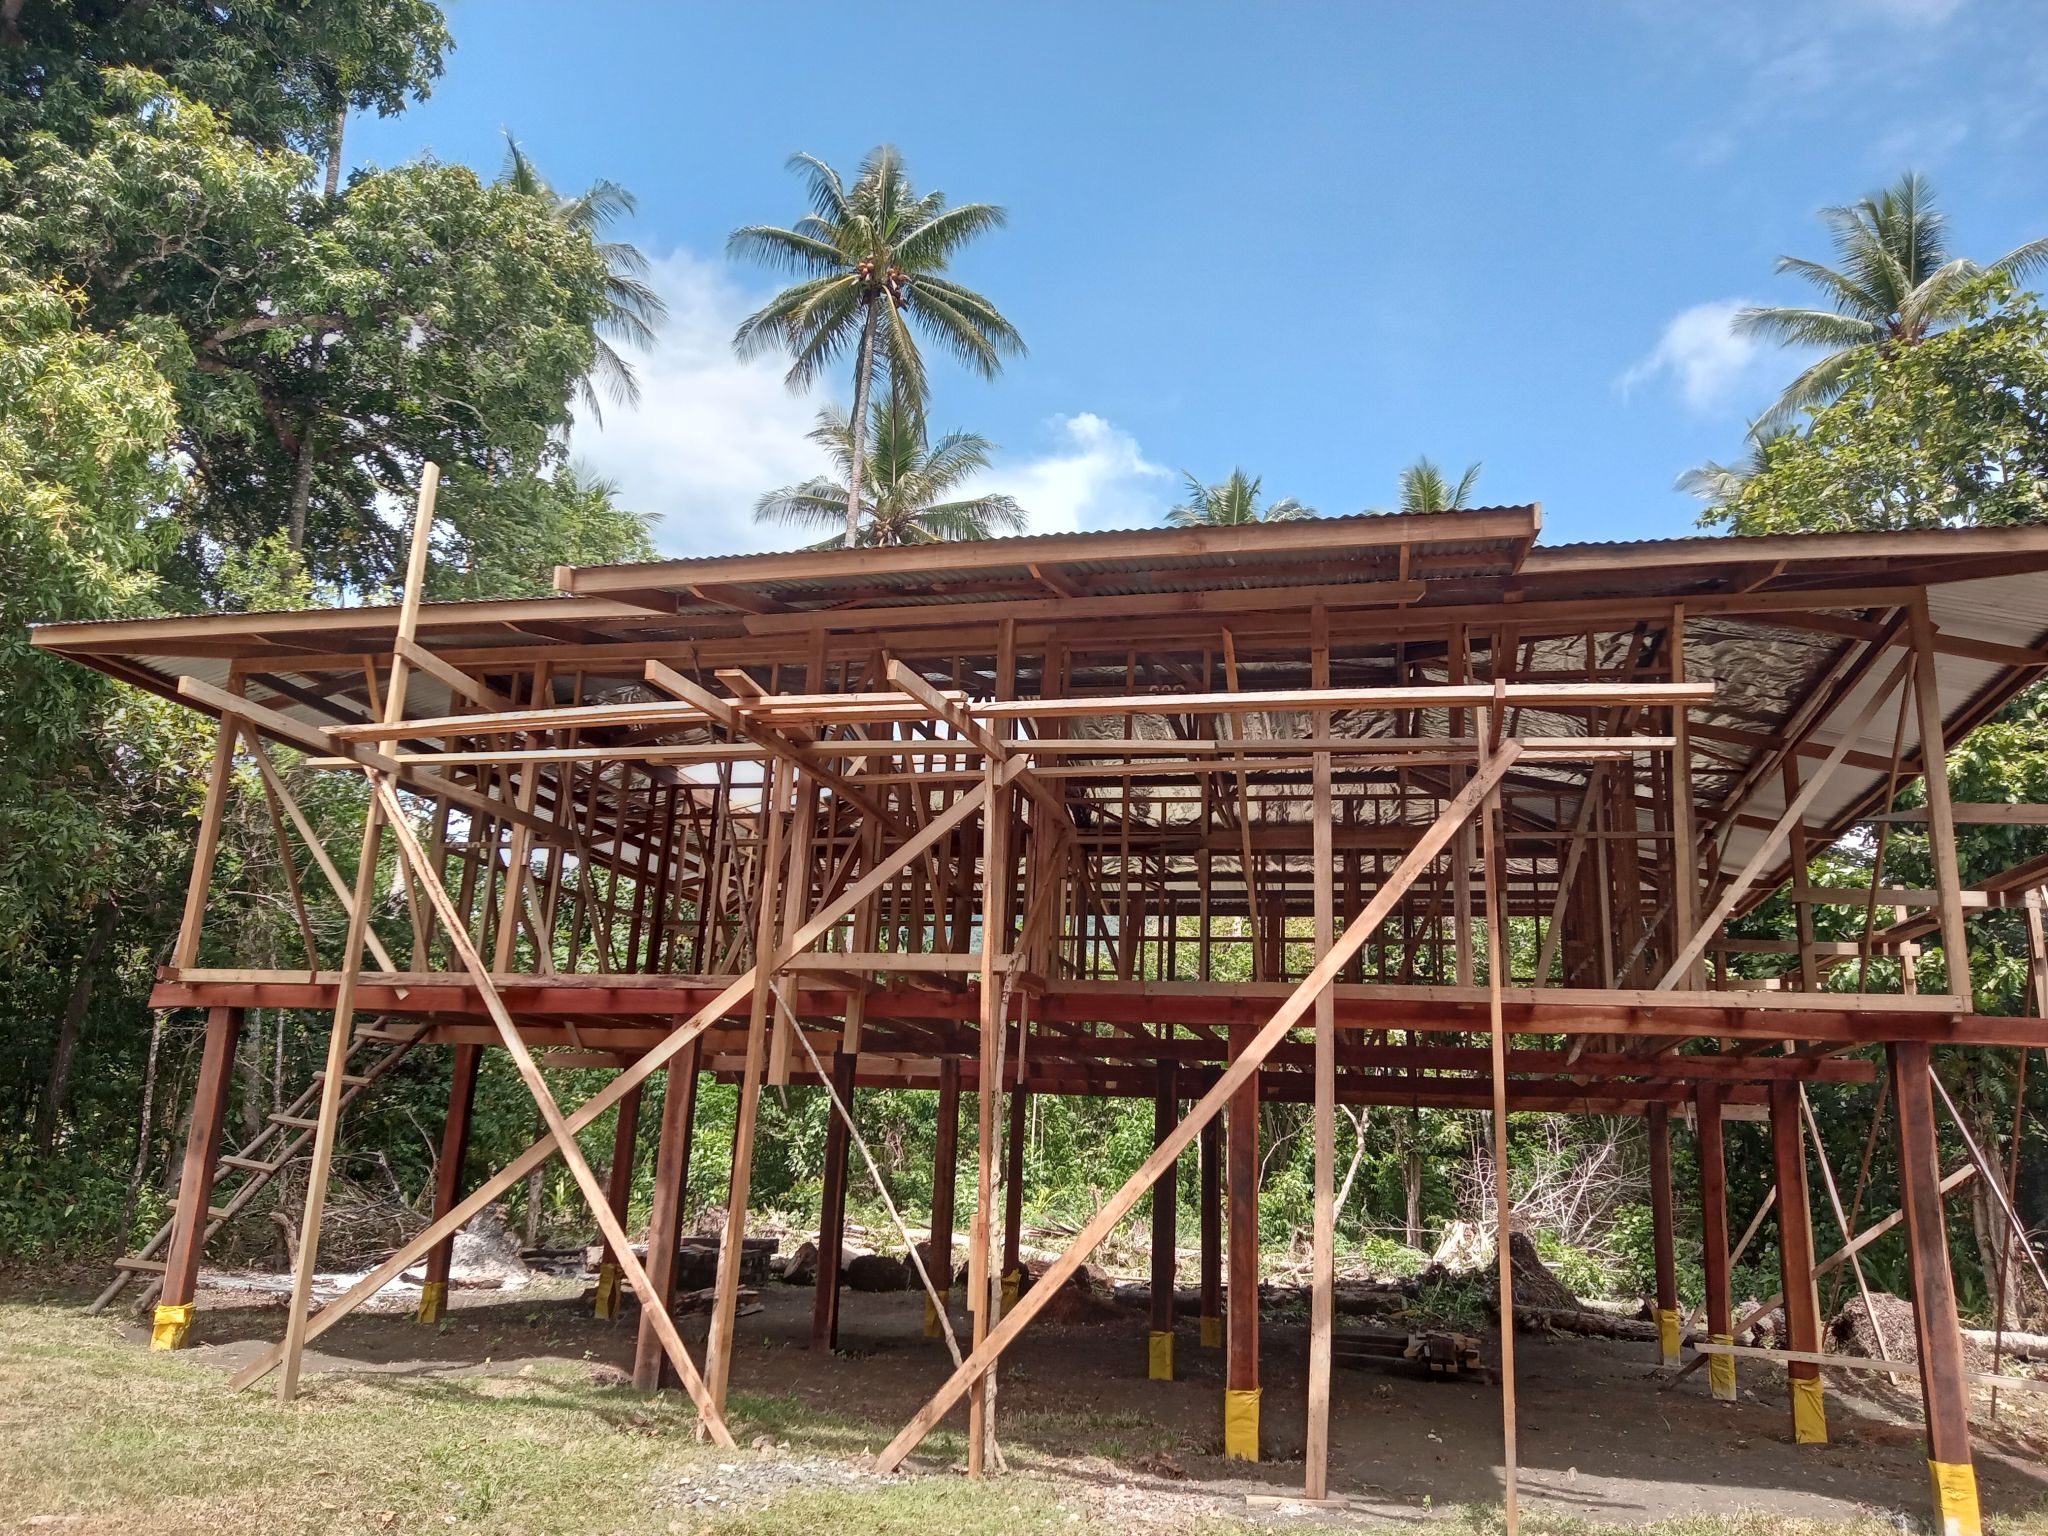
1952 430
903 496
1235 500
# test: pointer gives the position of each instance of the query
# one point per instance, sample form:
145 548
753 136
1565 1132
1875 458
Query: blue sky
1316 240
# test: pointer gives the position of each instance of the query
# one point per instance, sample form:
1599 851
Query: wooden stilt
945 1186
651 1369
1714 1262
995 940
832 1212
1241 1360
618 1191
1944 1383
1013 1199
1498 951
1795 1264
1662 1233
1212 1235
173 1320
448 1176
1165 1206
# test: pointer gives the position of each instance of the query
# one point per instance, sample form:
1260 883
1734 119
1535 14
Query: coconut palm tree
1424 488
633 311
1896 283
1717 484
871 260
1235 500
902 501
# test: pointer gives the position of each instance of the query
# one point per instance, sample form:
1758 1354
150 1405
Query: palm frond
822 184
1817 385
935 241
2022 261
1808 327
789 249
818 503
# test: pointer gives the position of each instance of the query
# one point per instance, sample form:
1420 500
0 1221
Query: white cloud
1093 476
1700 353
710 433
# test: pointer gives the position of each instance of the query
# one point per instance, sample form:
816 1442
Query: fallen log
1599 1325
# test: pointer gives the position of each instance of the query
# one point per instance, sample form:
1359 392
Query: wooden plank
202 1150
1795 1261
1469 696
1240 1071
1323 1237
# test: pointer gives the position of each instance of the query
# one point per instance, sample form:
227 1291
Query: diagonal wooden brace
594 1192
1298 1003
625 1082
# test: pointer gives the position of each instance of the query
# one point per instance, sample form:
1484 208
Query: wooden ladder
289 1128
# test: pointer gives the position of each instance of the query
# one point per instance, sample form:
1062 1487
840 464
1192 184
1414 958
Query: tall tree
1424 488
1235 500
1895 283
871 261
904 498
633 311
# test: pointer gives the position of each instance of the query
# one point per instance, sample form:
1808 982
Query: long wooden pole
342 1025
1497 952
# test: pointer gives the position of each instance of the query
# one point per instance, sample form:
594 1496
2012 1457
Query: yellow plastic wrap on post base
1241 1424
1013 1287
931 1314
1721 1371
1809 1411
433 1302
607 1291
1668 1332
1955 1499
168 1328
1159 1356
1212 1333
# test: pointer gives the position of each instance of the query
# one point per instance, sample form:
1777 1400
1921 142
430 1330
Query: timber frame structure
1208 816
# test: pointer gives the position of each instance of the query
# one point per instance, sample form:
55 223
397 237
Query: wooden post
1013 1199
995 939
448 1176
1662 1240
1323 1250
832 1211
1498 952
1795 1263
725 1305
1212 1235
1241 1365
1944 1387
1685 890
651 1368
1720 1299
1165 1206
945 1190
173 1320
618 1193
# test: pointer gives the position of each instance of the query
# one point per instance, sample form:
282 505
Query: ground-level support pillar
1165 1204
651 1366
1795 1264
1013 1199
1720 1296
945 1189
448 1176
1211 1200
832 1211
1241 1367
1944 1389
173 1319
618 1194
1662 1240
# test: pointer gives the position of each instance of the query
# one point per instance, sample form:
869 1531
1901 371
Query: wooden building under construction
1017 817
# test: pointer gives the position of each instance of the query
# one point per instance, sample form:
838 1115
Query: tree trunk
67 1031
1414 1179
863 376
144 1124
302 486
334 152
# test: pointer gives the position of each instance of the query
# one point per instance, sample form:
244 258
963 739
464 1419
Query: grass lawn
98 1435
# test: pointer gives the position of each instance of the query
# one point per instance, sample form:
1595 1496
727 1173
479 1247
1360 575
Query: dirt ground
1602 1439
